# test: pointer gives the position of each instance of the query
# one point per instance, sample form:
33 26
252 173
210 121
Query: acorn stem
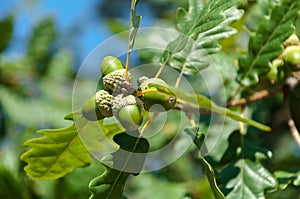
148 122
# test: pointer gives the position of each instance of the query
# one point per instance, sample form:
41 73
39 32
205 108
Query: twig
255 97
294 131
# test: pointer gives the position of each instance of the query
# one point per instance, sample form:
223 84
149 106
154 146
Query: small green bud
110 64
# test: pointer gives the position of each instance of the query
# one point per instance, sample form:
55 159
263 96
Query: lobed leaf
251 181
128 159
201 28
266 44
59 151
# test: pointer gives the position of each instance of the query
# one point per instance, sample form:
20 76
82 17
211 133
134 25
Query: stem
180 75
294 131
255 97
148 122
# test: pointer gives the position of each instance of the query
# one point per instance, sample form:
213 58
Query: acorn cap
120 101
113 81
104 102
144 81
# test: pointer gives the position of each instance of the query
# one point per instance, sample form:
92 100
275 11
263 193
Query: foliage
266 44
254 133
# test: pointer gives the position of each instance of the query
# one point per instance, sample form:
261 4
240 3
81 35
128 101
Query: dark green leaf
266 44
129 159
59 151
202 26
6 29
249 180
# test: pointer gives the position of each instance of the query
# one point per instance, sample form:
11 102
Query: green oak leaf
249 180
202 26
59 151
266 44
128 159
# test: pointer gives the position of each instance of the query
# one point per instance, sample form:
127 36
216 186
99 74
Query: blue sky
68 15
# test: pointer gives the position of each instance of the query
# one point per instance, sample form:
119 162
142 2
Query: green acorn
156 94
110 64
128 111
114 80
291 57
98 107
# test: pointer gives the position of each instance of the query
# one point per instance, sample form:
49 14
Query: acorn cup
98 107
128 110
116 80
110 64
156 94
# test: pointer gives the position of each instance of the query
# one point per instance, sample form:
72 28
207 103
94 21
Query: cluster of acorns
288 62
121 100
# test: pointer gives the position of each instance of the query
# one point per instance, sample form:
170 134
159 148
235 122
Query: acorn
98 107
110 64
156 94
291 57
128 110
116 80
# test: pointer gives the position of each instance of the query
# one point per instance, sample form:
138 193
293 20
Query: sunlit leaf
59 151
202 26
266 44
